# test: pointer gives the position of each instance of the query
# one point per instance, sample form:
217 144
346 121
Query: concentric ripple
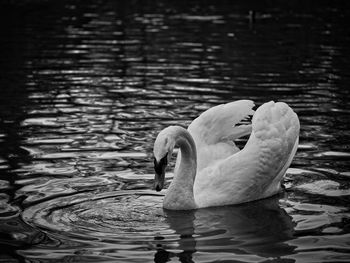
122 212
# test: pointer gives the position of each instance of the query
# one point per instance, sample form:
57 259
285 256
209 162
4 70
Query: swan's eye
159 166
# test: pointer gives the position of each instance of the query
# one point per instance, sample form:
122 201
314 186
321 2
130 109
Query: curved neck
180 192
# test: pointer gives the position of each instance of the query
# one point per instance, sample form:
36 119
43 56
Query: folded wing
215 129
256 171
219 122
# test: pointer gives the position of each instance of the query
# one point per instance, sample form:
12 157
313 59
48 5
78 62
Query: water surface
86 86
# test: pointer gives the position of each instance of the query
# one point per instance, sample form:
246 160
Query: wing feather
256 171
214 131
217 123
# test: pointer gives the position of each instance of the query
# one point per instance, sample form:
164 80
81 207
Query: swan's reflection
258 228
184 225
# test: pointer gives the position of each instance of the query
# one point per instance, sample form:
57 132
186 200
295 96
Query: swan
211 170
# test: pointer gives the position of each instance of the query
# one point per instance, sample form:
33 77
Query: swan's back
256 171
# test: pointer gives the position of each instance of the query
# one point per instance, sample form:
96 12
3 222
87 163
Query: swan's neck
180 192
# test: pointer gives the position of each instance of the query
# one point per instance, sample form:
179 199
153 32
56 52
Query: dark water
86 86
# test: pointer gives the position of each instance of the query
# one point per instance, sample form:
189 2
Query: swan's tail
276 129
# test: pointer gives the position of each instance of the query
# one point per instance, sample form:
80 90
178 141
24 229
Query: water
87 85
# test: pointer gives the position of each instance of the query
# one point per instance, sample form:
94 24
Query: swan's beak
159 182
159 168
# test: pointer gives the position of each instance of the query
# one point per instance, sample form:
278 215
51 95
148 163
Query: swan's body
212 171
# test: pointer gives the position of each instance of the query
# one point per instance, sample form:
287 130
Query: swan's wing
219 122
256 171
214 131
276 127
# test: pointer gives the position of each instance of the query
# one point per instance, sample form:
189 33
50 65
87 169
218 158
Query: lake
85 87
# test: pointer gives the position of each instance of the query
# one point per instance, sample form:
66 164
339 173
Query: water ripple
86 87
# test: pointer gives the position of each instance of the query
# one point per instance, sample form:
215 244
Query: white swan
210 169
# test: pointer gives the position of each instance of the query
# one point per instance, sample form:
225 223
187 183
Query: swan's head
162 150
